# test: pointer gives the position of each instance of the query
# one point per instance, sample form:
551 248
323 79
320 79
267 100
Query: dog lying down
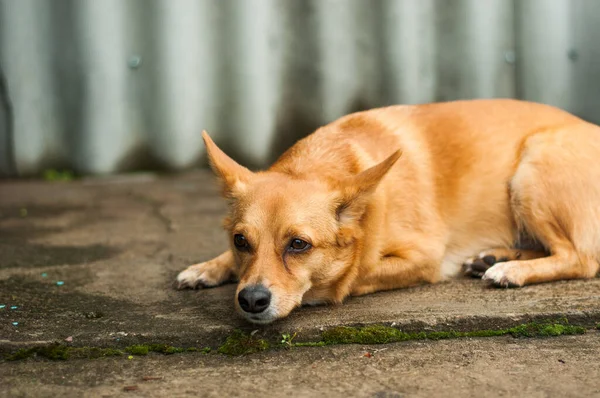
405 195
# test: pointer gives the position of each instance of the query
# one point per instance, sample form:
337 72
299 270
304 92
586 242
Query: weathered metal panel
114 85
545 39
585 56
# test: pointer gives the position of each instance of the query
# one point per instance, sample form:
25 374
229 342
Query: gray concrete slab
491 367
117 244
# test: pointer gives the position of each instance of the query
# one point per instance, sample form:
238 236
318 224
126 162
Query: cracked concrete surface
498 367
117 243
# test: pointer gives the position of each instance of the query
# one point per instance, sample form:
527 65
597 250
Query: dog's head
293 238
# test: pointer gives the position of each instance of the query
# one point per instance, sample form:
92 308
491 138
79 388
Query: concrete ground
93 262
484 367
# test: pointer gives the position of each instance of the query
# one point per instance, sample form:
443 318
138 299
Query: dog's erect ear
356 190
233 176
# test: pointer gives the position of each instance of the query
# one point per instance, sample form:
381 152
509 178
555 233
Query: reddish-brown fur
472 177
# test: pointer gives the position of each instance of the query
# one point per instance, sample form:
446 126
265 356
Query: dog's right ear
356 190
234 177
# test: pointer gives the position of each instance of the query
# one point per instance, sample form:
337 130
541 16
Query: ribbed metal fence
101 86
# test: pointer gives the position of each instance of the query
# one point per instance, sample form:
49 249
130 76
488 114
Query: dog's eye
240 241
298 245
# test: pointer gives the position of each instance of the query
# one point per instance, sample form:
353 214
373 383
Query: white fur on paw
468 268
502 274
193 277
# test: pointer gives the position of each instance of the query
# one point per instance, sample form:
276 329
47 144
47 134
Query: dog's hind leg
208 274
555 197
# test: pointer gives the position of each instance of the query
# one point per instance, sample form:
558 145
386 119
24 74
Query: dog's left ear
233 176
356 190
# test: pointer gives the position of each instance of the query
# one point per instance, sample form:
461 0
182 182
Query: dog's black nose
254 299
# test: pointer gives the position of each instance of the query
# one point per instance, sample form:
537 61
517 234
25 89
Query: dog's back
457 160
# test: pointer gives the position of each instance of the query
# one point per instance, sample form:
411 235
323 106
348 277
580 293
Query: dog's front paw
504 275
208 274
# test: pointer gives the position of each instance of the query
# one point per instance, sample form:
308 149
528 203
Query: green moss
53 351
438 335
240 343
386 334
23 353
487 333
145 349
205 350
160 348
309 344
138 349
93 352
545 330
367 335
165 349
58 351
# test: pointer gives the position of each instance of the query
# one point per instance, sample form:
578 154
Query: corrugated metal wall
100 86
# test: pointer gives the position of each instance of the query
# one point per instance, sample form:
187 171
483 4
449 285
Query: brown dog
404 195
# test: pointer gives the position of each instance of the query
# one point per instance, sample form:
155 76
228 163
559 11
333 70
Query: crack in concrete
157 212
